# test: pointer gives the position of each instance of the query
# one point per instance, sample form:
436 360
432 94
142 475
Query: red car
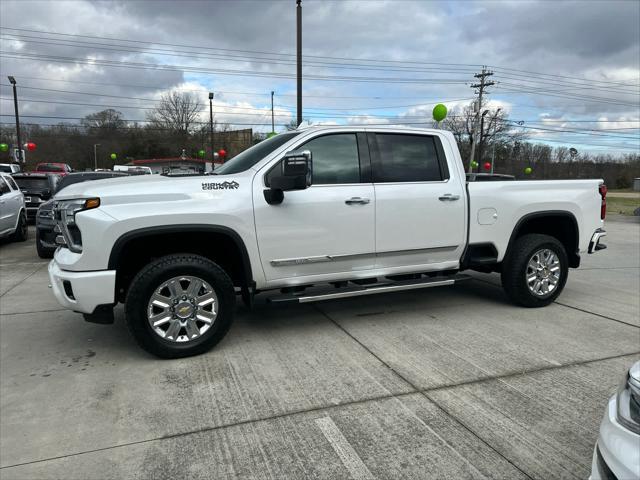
61 169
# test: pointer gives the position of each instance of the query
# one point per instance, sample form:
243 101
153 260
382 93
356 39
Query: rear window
32 183
5 168
49 168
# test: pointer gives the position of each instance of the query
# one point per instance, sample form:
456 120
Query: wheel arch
134 249
560 224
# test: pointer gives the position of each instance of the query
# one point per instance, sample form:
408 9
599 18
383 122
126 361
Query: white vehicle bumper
618 447
82 291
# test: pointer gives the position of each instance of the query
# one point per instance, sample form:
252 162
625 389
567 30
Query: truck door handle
447 197
357 201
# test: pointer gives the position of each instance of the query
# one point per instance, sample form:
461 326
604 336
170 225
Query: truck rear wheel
180 305
535 270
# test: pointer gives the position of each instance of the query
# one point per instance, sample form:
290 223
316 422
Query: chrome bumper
594 244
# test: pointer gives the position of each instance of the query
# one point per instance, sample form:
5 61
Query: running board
380 287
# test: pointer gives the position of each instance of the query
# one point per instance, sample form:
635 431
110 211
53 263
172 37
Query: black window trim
364 159
440 155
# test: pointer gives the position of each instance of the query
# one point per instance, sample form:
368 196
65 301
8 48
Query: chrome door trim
285 262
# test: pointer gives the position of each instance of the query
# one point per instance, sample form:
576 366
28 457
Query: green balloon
474 164
528 170
201 153
113 156
4 147
439 112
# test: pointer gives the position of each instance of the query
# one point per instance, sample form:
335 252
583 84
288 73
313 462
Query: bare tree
177 112
496 129
105 120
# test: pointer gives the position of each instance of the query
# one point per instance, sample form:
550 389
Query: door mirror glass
296 163
296 172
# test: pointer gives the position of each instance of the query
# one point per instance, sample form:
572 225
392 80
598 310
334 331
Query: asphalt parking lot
440 383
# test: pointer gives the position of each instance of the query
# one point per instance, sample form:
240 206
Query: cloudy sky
569 70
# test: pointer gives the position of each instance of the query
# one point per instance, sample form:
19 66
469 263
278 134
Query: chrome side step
380 287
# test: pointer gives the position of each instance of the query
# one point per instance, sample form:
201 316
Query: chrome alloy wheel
543 272
182 309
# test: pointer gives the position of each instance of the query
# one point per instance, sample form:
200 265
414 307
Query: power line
308 56
219 71
232 58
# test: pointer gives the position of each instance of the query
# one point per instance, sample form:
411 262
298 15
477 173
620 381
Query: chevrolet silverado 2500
310 215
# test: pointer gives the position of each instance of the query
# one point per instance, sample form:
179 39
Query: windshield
253 155
32 183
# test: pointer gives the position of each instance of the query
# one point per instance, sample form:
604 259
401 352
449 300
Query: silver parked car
13 215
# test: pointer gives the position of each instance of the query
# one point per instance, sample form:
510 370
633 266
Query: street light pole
12 80
95 156
273 127
213 156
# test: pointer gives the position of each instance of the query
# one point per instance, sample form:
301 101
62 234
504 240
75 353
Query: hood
113 186
149 188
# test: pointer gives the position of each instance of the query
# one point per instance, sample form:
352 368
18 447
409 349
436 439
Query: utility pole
480 141
495 129
273 126
213 156
12 81
299 57
95 156
480 87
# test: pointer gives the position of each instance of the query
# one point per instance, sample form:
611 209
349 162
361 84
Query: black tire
43 252
151 277
514 270
22 230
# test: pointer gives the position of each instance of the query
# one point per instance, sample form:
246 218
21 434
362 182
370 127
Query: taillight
603 206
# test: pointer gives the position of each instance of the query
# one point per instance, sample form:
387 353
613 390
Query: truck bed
496 207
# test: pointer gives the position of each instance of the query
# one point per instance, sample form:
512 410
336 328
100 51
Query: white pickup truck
308 215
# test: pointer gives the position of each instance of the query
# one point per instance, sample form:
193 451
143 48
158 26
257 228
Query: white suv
13 217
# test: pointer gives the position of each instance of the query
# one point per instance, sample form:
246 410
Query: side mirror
296 174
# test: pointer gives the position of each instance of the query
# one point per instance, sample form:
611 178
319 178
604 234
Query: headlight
628 400
65 214
45 213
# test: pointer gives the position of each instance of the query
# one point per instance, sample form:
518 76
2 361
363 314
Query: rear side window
405 158
11 183
4 188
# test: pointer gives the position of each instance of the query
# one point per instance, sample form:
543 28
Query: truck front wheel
535 271
180 305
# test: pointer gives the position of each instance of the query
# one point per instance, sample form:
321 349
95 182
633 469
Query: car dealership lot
445 382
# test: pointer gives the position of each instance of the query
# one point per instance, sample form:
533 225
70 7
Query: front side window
335 159
405 158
